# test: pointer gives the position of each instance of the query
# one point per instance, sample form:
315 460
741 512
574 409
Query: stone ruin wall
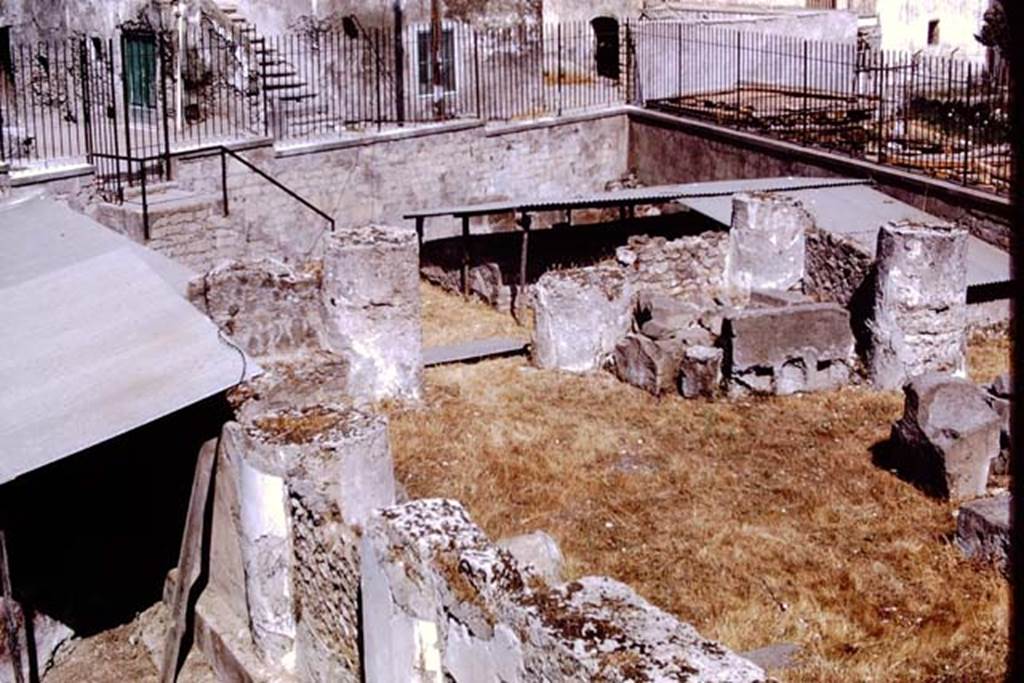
441 602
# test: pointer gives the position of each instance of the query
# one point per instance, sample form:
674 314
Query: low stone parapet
442 603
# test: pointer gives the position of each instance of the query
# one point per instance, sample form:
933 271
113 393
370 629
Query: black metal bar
224 178
399 64
465 257
145 200
276 183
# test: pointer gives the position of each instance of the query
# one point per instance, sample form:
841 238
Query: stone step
480 349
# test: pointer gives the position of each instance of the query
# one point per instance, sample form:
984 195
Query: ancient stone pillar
581 315
372 297
919 322
305 481
767 243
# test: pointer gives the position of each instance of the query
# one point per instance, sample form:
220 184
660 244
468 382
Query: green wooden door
140 69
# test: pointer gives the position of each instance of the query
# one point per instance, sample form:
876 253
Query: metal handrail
225 153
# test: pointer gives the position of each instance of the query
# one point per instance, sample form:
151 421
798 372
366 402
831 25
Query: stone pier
372 296
767 243
919 321
294 489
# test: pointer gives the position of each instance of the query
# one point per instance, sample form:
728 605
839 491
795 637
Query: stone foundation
442 603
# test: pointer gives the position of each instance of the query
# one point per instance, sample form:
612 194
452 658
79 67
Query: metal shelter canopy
655 194
97 337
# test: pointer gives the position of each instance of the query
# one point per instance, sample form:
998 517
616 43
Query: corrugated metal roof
857 212
643 195
96 340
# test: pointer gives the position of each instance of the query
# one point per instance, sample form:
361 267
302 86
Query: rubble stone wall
835 267
441 602
690 268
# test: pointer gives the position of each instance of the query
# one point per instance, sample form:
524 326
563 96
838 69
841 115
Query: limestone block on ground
304 484
804 347
271 310
48 635
442 603
539 551
700 372
372 296
999 398
947 437
580 315
919 321
767 242
983 530
647 364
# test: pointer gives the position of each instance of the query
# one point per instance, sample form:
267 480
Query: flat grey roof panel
93 347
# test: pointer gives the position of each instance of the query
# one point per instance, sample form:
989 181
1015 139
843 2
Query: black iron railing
149 92
225 153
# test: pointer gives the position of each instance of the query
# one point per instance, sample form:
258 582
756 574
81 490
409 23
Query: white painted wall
905 25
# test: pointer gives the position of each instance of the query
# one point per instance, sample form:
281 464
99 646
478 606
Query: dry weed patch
758 521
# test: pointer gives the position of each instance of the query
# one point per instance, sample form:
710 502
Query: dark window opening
140 69
425 62
606 33
933 32
97 49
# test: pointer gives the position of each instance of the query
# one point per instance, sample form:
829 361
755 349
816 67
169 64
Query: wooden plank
190 559
473 350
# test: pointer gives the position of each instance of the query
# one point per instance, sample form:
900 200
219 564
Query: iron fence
131 101
945 117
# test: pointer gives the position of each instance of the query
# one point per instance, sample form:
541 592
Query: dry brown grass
988 356
447 319
758 521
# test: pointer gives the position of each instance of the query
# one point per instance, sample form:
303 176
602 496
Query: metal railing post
559 67
161 44
145 199
969 126
224 177
86 98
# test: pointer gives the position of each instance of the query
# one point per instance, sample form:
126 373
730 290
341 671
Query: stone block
700 372
983 530
660 317
947 437
999 399
580 316
689 269
919 318
647 364
538 551
442 603
798 348
767 243
372 297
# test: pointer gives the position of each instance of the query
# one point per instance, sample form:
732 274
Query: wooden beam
190 559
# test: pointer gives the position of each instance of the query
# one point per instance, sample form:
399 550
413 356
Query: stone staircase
289 97
183 224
